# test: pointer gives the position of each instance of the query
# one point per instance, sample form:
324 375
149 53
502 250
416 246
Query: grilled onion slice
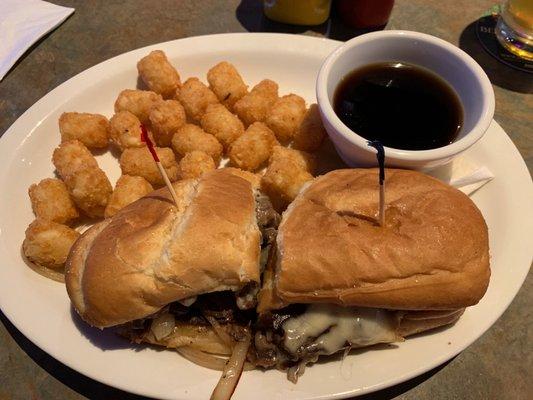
232 371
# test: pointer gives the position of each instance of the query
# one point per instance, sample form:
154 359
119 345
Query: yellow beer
515 28
521 13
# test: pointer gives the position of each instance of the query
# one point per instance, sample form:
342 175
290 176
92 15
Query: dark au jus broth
401 105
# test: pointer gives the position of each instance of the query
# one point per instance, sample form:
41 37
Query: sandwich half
338 280
182 276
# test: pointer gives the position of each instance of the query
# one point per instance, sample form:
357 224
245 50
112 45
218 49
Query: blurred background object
298 12
356 15
515 27
485 29
365 14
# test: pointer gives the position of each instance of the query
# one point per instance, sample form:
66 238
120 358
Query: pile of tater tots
194 126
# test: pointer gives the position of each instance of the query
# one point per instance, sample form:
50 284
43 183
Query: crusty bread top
431 254
152 253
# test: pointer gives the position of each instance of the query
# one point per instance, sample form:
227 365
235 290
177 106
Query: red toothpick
150 145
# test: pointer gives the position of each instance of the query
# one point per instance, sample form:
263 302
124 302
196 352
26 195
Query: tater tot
138 161
165 119
72 156
158 74
191 137
285 116
222 124
283 180
87 184
90 189
255 105
50 200
253 148
127 190
194 164
311 132
298 159
48 243
195 97
282 185
227 84
125 130
137 102
90 129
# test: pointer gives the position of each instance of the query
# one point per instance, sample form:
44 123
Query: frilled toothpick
381 162
150 145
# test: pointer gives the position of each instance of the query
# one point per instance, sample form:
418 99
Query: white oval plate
40 308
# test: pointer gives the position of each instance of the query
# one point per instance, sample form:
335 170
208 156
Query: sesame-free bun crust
414 322
152 253
431 254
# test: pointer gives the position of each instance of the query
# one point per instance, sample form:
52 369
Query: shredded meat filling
267 221
267 348
221 306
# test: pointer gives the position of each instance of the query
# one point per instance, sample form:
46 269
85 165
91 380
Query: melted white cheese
332 327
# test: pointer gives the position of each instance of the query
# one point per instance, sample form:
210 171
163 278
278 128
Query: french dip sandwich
338 280
189 276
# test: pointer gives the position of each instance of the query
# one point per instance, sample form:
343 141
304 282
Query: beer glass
514 29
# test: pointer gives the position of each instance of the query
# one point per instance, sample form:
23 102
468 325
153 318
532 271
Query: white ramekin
451 63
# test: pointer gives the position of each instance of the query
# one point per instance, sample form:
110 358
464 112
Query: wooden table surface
497 366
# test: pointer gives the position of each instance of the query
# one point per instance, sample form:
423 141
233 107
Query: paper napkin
22 23
464 173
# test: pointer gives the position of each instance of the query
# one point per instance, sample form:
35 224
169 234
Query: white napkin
463 173
22 23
